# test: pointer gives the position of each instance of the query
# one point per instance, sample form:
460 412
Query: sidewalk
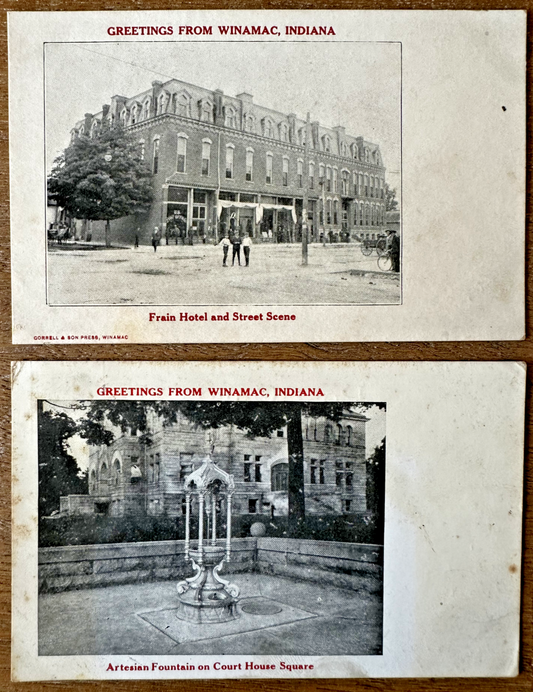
296 618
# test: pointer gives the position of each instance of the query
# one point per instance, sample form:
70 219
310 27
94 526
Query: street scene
195 275
196 171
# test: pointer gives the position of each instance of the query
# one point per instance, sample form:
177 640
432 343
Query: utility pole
305 203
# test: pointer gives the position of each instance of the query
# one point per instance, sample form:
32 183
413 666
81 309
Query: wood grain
303 351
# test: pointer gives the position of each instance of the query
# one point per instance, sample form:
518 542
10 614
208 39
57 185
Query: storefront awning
259 208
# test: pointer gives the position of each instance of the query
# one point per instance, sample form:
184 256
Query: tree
375 485
102 178
391 203
59 473
257 419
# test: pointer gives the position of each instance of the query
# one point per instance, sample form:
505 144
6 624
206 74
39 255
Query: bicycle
385 261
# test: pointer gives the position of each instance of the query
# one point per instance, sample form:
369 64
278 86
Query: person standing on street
393 246
225 243
156 237
236 250
246 245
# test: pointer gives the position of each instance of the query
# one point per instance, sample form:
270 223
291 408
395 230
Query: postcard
282 520
262 176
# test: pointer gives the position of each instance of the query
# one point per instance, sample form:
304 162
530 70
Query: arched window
345 183
328 211
161 103
92 480
355 151
361 185
339 434
283 132
301 136
206 111
366 185
348 435
155 155
300 173
355 210
183 104
355 183
321 169
285 171
230 119
181 164
146 109
269 162
249 123
117 471
249 164
268 128
326 143
206 156
328 178
328 432
371 186
134 113
103 472
335 179
367 154
124 117
279 477
141 149
230 148
335 212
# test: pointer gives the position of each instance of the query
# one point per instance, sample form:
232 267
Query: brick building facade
127 478
208 150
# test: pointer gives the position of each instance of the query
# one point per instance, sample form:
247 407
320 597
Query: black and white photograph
211 527
210 173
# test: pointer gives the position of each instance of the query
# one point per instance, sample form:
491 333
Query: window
268 128
326 143
247 473
182 152
347 505
206 111
301 136
229 160
252 506
117 471
249 123
339 434
258 473
199 210
311 175
335 177
146 109
269 168
161 103
141 149
371 186
321 169
349 479
313 478
348 437
183 105
328 218
335 212
361 184
355 151
285 171
328 432
231 117
366 185
157 468
300 173
155 156
249 164
345 183
279 477
279 433
322 472
328 179
206 156
284 132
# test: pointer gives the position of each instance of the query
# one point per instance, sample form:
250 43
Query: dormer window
230 119
183 104
268 128
355 151
206 111
283 132
146 109
249 123
134 114
326 143
124 117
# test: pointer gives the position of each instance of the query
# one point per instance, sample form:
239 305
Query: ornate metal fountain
206 597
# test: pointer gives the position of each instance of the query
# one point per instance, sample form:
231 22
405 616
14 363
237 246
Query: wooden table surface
304 351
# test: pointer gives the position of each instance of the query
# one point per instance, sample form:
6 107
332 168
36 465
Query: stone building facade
128 478
208 150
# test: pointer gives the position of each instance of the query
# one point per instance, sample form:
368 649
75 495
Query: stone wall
77 567
348 565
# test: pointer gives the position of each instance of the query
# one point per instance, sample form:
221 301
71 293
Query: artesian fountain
206 597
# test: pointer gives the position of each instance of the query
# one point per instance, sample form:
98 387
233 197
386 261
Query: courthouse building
128 478
222 163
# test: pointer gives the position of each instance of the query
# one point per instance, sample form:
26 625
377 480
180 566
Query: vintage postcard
226 176
284 520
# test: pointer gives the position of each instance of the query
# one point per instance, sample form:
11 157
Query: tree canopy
391 203
59 473
102 177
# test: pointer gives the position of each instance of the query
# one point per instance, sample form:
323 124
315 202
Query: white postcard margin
452 553
463 190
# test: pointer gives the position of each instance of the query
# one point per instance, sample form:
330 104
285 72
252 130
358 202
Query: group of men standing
236 242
